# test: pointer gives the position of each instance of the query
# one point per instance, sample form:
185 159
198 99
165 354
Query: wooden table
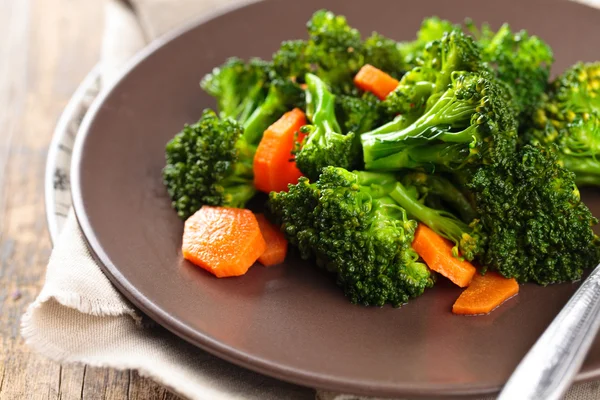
46 49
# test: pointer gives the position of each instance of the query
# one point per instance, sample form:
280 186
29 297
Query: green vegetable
538 228
335 52
358 114
325 144
432 28
469 123
521 60
209 163
356 231
567 120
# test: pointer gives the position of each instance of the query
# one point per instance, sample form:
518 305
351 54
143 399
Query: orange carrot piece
277 245
376 81
436 251
273 165
484 294
224 241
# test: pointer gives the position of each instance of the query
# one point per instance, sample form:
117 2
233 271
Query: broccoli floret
209 163
577 144
521 60
538 228
384 53
470 123
568 118
432 28
358 114
412 93
455 51
354 230
335 52
577 90
291 61
252 93
325 144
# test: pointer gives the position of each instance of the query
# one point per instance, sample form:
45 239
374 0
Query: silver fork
548 369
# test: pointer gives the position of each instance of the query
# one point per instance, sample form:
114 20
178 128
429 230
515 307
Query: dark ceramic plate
291 321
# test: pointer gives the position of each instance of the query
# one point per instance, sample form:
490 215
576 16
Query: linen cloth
79 317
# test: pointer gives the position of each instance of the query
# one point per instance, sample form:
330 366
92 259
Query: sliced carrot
277 245
376 81
224 241
485 293
274 167
436 251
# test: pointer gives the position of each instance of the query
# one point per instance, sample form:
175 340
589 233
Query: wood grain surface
46 49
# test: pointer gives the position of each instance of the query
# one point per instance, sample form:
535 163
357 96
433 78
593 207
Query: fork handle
550 366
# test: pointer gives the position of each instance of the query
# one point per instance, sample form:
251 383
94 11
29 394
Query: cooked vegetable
457 133
469 242
470 123
274 167
252 94
538 228
209 162
358 114
484 294
432 28
223 241
521 60
275 240
568 121
375 81
335 52
437 252
325 144
385 54
348 223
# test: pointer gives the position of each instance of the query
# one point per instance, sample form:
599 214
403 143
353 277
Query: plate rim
197 338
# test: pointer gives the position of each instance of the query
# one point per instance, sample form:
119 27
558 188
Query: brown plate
291 321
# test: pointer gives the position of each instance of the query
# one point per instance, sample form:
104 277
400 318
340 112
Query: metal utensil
549 367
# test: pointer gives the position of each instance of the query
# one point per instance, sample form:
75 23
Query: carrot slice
485 293
277 245
273 165
436 251
224 241
376 81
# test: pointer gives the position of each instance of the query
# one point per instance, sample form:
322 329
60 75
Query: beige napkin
80 317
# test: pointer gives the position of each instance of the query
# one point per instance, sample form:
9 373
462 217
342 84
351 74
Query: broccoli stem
440 221
586 170
443 189
263 116
320 104
395 156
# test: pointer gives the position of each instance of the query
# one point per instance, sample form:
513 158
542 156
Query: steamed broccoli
358 114
432 28
209 163
568 118
252 93
334 51
384 53
538 228
325 144
420 87
521 60
469 241
470 123
355 230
